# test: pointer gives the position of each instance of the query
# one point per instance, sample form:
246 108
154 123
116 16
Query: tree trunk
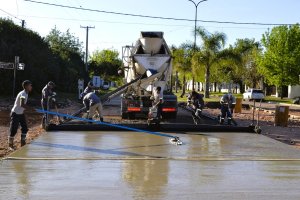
176 82
207 83
215 86
242 87
281 92
193 83
183 87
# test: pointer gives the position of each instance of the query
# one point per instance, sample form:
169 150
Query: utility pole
87 45
195 34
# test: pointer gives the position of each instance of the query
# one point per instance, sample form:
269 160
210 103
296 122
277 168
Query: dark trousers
225 112
159 111
15 121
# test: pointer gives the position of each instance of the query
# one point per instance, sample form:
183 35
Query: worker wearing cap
89 88
92 103
227 104
47 98
17 116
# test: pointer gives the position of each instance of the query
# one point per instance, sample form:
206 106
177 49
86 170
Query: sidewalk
294 110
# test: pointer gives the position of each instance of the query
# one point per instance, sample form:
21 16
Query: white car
253 94
105 85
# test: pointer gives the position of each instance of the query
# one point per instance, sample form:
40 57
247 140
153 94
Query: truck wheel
124 116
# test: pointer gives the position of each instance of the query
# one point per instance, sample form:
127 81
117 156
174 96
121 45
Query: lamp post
195 38
196 13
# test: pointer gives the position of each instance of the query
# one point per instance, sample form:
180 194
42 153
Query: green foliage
68 50
105 63
42 61
246 70
280 63
209 55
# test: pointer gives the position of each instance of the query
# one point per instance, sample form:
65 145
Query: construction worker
92 103
195 100
227 104
17 116
47 98
158 101
89 88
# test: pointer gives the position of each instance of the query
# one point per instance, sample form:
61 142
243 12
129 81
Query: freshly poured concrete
128 165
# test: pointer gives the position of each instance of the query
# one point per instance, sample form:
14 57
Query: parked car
253 94
105 85
296 100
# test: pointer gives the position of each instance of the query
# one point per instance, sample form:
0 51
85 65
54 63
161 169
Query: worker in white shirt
17 116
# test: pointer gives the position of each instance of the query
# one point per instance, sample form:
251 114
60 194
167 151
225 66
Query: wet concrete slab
129 165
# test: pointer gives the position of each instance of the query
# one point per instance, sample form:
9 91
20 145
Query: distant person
92 103
47 98
158 101
17 116
227 105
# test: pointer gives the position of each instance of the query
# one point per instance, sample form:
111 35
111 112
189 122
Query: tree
67 49
182 63
211 52
105 63
280 63
246 71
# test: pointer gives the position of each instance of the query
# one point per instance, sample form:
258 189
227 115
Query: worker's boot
229 121
221 120
23 140
11 143
101 119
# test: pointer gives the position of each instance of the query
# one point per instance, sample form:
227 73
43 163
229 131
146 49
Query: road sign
4 65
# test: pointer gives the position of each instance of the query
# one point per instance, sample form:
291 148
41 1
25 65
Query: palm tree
210 52
182 64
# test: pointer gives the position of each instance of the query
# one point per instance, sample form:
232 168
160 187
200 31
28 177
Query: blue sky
114 31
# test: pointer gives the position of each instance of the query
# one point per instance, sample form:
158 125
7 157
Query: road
132 165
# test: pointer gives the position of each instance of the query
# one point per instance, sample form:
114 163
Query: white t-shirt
157 97
18 109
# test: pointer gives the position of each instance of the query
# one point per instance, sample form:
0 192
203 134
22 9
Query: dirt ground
289 135
34 123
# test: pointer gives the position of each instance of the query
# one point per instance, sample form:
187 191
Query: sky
114 31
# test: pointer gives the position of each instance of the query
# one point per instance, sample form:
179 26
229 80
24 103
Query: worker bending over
92 103
227 105
17 116
196 102
89 88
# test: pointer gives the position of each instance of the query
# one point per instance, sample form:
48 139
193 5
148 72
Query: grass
278 100
214 96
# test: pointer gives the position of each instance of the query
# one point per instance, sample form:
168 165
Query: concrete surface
128 165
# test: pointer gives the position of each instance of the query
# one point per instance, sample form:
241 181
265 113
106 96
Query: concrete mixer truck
147 65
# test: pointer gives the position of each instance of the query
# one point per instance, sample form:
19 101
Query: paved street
129 165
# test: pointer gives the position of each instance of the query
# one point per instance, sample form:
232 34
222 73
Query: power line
137 23
157 17
11 14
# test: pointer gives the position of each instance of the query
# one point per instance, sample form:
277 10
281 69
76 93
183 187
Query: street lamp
196 13
195 38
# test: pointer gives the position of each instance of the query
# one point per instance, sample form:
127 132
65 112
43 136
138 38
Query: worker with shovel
17 116
92 104
155 112
47 99
227 105
196 103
